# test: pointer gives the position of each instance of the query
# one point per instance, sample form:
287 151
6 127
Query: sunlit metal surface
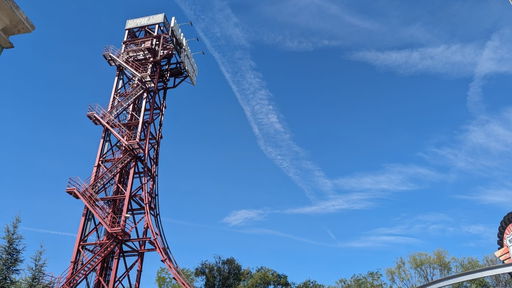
184 51
470 275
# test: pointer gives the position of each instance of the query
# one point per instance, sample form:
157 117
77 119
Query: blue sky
324 138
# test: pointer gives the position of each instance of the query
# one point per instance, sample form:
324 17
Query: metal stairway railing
89 194
109 173
115 57
107 118
102 212
100 116
128 98
89 265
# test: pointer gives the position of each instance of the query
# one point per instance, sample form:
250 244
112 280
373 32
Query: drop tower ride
121 219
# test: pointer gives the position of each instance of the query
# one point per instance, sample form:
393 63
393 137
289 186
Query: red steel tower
121 219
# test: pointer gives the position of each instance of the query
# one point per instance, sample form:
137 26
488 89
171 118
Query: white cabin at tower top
181 43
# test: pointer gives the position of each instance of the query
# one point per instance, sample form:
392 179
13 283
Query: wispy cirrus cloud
475 60
484 146
361 192
453 60
498 195
375 241
379 241
409 230
297 43
354 201
253 231
431 223
393 177
229 45
413 230
460 59
349 201
244 216
308 24
300 13
226 42
369 241
264 231
366 24
494 59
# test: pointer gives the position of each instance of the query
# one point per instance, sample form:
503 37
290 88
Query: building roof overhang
12 22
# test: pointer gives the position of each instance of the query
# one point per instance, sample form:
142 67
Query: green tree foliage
419 268
264 277
310 284
468 264
11 254
11 258
368 280
36 272
408 272
226 273
221 273
164 278
502 280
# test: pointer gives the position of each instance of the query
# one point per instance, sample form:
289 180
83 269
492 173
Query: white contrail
222 34
38 230
225 40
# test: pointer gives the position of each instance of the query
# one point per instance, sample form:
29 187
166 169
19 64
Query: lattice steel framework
121 219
